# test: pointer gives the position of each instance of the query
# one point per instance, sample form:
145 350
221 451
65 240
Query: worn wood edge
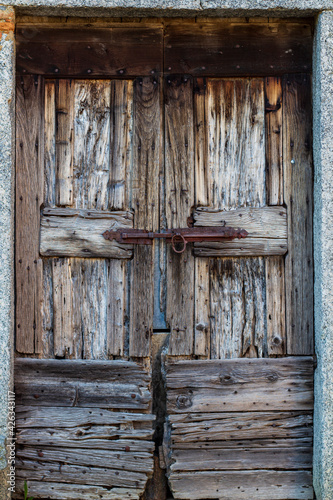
248 247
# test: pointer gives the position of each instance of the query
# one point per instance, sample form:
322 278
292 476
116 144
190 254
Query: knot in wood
226 379
183 402
272 377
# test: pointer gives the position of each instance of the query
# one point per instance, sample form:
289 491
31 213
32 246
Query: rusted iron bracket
177 237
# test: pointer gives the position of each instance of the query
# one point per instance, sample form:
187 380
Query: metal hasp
179 237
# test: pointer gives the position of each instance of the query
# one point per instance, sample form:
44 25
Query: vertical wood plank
121 130
275 303
147 155
64 141
298 180
29 196
236 164
179 186
50 145
275 286
62 307
273 130
91 161
201 283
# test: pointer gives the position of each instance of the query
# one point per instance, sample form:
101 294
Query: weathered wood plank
237 181
64 141
71 491
205 428
80 234
179 195
237 295
50 145
242 485
121 130
90 370
138 462
116 307
62 307
147 156
96 52
273 130
237 49
29 197
267 228
62 417
93 437
298 180
46 471
240 385
242 458
264 222
202 308
275 306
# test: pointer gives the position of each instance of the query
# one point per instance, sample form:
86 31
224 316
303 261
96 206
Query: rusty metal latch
177 237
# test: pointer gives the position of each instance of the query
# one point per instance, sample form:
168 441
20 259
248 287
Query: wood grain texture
107 52
147 156
275 306
252 429
60 491
240 385
179 195
102 443
298 180
50 144
121 148
236 181
64 141
79 233
274 142
242 485
202 308
62 308
29 197
237 295
237 49
267 228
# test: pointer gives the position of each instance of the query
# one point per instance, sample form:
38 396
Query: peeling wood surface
89 438
75 233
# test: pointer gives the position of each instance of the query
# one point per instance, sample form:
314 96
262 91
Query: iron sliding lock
177 237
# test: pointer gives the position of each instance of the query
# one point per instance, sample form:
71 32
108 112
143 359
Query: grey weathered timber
58 491
29 196
79 233
204 429
298 187
75 425
179 197
242 485
240 385
147 155
64 141
267 228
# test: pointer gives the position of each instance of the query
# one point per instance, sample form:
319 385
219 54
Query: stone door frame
323 185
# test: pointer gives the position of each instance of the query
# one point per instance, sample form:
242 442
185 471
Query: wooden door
142 126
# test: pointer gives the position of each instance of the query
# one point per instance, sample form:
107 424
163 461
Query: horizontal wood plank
210 427
242 485
127 51
79 233
240 385
242 458
41 489
266 227
238 49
